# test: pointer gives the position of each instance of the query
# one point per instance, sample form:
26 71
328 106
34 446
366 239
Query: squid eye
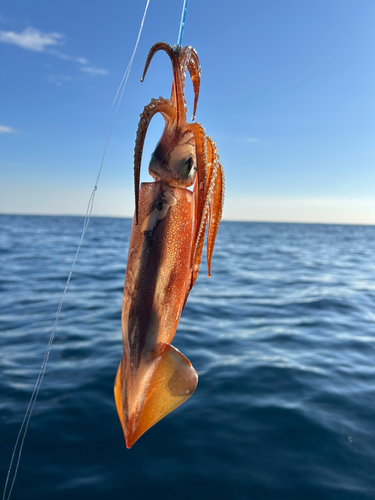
188 166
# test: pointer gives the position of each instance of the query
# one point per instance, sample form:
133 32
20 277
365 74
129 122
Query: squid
165 251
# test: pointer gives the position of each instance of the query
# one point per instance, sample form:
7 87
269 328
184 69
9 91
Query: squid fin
172 382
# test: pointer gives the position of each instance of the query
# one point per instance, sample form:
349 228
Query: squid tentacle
201 155
165 251
215 213
211 175
177 94
167 109
189 61
202 228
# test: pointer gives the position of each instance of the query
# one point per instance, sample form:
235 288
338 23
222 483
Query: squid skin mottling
165 252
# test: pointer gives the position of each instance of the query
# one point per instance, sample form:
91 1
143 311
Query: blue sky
287 93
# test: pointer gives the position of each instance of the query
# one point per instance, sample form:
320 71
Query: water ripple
282 336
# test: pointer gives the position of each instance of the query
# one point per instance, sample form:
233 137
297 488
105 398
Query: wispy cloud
59 80
37 41
251 140
79 60
7 130
92 71
31 39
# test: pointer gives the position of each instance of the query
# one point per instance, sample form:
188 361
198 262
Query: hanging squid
165 252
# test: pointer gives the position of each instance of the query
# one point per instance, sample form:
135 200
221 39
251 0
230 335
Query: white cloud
7 130
82 60
252 140
79 60
31 39
61 56
92 71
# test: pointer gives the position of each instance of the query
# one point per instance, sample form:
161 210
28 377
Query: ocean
282 337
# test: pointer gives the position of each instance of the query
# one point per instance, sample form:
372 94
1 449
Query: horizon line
256 221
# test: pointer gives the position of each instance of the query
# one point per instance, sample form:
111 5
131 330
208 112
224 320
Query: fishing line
182 23
26 420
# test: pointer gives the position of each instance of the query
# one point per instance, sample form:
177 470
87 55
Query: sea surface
282 336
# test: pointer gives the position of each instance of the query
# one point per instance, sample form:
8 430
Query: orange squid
165 252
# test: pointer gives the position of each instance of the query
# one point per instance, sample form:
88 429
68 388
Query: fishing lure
165 252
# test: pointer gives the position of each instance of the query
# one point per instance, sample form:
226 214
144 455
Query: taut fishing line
182 23
26 420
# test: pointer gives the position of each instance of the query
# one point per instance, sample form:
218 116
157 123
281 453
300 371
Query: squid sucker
165 252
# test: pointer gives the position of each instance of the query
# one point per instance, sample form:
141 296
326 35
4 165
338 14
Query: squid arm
165 252
168 112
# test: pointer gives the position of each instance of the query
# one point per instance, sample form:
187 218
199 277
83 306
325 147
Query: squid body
165 252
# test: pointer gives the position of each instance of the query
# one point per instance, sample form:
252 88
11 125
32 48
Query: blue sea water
282 336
